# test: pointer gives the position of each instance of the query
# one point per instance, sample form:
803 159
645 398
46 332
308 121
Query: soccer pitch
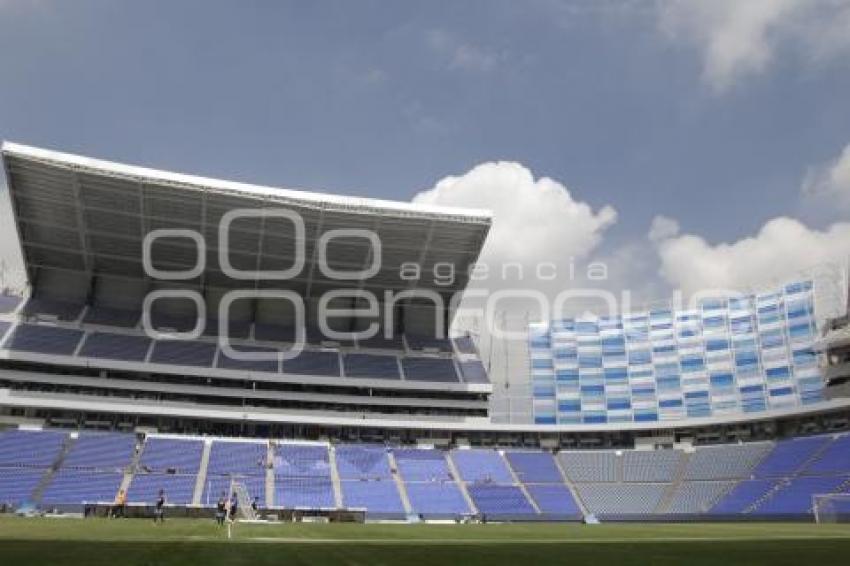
178 541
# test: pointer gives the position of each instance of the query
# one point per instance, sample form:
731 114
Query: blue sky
719 116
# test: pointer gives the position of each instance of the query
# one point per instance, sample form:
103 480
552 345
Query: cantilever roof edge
247 189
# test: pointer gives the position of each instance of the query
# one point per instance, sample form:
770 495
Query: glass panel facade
738 355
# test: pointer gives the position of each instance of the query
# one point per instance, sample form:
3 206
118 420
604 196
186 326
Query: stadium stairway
670 493
568 482
521 485
201 478
399 482
131 469
270 489
779 486
815 456
82 340
337 486
47 478
460 483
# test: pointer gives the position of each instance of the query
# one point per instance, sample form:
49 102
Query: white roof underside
89 215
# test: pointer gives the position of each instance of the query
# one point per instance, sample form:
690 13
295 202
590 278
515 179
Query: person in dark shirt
159 507
234 506
255 505
221 509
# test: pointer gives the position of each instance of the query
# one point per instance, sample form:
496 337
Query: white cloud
536 221
461 55
740 38
663 228
783 248
830 181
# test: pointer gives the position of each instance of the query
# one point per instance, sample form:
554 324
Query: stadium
202 340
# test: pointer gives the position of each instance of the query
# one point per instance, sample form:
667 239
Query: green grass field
136 541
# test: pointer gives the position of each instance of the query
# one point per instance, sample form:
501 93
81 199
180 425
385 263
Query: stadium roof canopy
91 216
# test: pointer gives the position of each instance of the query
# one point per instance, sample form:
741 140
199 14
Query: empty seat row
46 339
621 498
101 451
36 449
355 461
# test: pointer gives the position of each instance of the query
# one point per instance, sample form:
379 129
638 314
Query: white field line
477 541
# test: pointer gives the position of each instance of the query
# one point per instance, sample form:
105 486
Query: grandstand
719 414
756 480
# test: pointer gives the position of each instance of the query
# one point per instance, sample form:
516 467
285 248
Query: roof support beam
81 223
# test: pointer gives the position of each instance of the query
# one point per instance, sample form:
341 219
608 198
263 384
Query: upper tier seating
354 461
834 459
698 496
35 449
534 467
109 316
62 310
372 366
44 339
101 451
440 370
165 321
269 365
239 458
650 466
123 347
473 372
421 464
161 454
734 461
183 352
621 498
274 333
481 465
376 496
590 465
313 363
743 496
425 342
494 500
554 499
436 499
380 342
465 345
70 486
302 460
788 456
235 328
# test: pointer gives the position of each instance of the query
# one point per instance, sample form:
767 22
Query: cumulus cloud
830 180
783 248
461 55
538 224
738 39
662 228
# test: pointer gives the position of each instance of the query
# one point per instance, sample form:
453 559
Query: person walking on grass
159 508
234 506
221 509
120 507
